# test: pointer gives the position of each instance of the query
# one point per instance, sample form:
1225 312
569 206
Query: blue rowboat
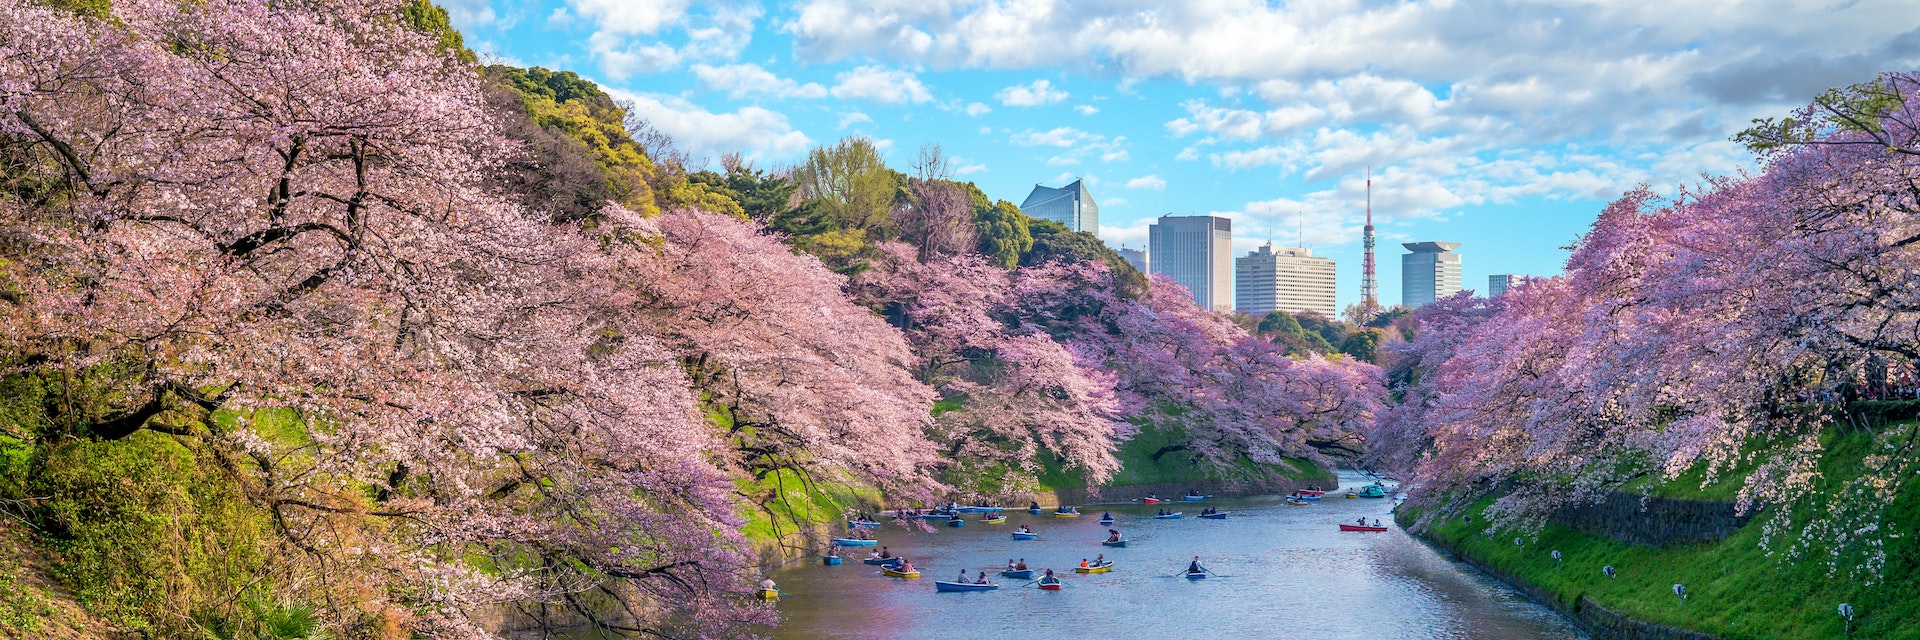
1310 498
1222 515
1018 574
850 542
963 586
1171 516
1196 575
936 516
1106 521
831 561
1026 536
1035 511
854 524
1114 543
883 562
1194 498
956 523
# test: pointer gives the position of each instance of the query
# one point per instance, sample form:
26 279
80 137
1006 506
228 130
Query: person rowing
905 566
1106 515
1193 492
1113 535
1049 578
884 553
1033 505
1100 560
1363 521
1025 529
1195 567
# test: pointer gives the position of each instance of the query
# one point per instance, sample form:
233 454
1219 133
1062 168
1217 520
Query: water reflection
1287 572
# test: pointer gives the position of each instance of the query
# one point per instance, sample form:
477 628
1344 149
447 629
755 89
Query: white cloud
1033 94
1086 109
756 132
968 169
560 18
1149 181
630 17
741 80
620 59
851 118
468 15
976 109
1114 202
880 84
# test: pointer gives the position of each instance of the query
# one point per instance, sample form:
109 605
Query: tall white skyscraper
1197 252
1429 272
1289 279
1497 285
1071 205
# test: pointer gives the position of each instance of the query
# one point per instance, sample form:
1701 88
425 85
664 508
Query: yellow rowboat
899 574
999 520
1066 514
769 594
1098 568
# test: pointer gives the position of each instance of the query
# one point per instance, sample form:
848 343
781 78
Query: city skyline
1490 141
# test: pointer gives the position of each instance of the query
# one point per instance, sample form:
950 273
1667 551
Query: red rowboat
1355 527
1311 492
1151 501
1050 587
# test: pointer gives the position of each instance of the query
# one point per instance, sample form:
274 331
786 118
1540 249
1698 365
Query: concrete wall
1653 522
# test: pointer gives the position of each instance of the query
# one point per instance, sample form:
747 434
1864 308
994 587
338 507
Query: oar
1211 573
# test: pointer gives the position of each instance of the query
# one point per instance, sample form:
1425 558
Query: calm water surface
1288 572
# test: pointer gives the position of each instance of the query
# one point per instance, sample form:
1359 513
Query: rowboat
956 523
1106 521
936 516
1171 516
884 562
1296 503
1355 527
1066 514
1194 498
1218 515
1018 574
1025 536
850 542
1351 495
1049 586
1196 575
769 594
1098 568
1151 501
1115 543
1035 511
994 520
831 561
862 524
1311 492
963 586
892 572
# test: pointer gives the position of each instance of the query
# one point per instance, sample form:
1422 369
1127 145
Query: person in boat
904 567
1083 563
1113 535
1376 522
1153 495
1099 559
767 585
1033 505
833 550
963 576
1025 529
1023 566
1194 567
884 553
1363 521
1193 492
1010 566
982 579
1049 578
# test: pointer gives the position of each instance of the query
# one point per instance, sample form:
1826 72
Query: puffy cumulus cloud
976 109
1086 109
880 84
620 58
851 118
1149 181
1076 145
468 15
741 80
1033 94
759 133
630 17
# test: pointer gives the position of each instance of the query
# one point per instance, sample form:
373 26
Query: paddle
1211 573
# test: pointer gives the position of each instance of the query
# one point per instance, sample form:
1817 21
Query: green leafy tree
1362 345
1004 234
854 182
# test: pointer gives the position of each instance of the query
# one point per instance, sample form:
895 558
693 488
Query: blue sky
1505 126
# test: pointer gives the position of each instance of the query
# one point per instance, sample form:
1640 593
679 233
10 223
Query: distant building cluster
1197 253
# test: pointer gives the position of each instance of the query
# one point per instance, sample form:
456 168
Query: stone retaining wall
1653 522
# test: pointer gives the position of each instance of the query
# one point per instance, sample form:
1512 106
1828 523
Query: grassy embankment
1735 590
1139 466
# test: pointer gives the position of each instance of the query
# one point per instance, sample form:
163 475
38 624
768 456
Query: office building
1430 271
1289 279
1197 252
1070 205
1135 257
1498 284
